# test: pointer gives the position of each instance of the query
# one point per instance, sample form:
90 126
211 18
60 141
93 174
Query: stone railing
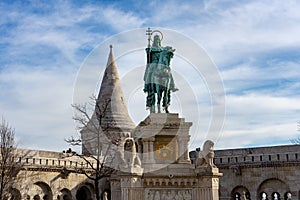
257 158
55 162
70 163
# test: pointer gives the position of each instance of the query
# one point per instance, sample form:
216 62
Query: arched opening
240 192
83 193
275 196
66 194
15 194
45 192
273 188
237 196
263 196
248 196
288 196
106 195
36 197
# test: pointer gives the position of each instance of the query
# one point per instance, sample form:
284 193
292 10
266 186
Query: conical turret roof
111 98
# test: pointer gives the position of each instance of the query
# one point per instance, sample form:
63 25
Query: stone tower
110 118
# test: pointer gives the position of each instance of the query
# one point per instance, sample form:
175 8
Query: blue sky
254 44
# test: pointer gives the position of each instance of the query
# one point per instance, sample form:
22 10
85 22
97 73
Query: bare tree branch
296 140
10 164
97 128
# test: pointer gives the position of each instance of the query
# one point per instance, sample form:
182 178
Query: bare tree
10 164
106 147
296 140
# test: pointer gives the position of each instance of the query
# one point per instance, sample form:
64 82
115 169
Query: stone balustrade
68 162
55 162
257 158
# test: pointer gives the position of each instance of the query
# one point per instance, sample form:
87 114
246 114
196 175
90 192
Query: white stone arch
240 192
40 189
33 191
272 186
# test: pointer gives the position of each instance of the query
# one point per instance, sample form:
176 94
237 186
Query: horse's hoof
158 108
152 109
166 109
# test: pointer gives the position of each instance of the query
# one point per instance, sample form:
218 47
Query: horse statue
158 78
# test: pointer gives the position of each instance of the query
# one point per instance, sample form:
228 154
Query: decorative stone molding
168 194
170 182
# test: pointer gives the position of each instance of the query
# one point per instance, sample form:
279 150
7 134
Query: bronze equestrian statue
159 82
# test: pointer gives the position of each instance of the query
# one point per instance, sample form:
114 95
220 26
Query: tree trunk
97 180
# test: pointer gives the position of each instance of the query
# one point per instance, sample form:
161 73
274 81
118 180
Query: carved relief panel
166 149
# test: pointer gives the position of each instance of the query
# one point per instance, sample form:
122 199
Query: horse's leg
166 99
152 107
158 108
159 95
151 99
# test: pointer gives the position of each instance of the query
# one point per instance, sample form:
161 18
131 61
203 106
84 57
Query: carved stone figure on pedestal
129 156
205 157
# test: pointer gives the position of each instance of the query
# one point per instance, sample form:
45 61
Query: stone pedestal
127 186
162 143
163 139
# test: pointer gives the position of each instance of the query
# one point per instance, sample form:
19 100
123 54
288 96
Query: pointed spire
116 122
116 114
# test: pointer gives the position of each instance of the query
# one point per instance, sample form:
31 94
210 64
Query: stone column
186 152
180 149
115 186
132 188
145 151
151 149
183 149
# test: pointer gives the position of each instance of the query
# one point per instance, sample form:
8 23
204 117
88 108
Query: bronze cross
149 33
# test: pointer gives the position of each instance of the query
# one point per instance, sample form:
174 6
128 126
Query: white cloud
120 20
37 102
239 36
244 30
256 119
269 134
263 103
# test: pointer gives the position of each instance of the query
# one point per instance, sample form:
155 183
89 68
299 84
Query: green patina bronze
159 82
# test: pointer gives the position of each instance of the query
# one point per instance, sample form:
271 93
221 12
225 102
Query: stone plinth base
163 139
168 173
